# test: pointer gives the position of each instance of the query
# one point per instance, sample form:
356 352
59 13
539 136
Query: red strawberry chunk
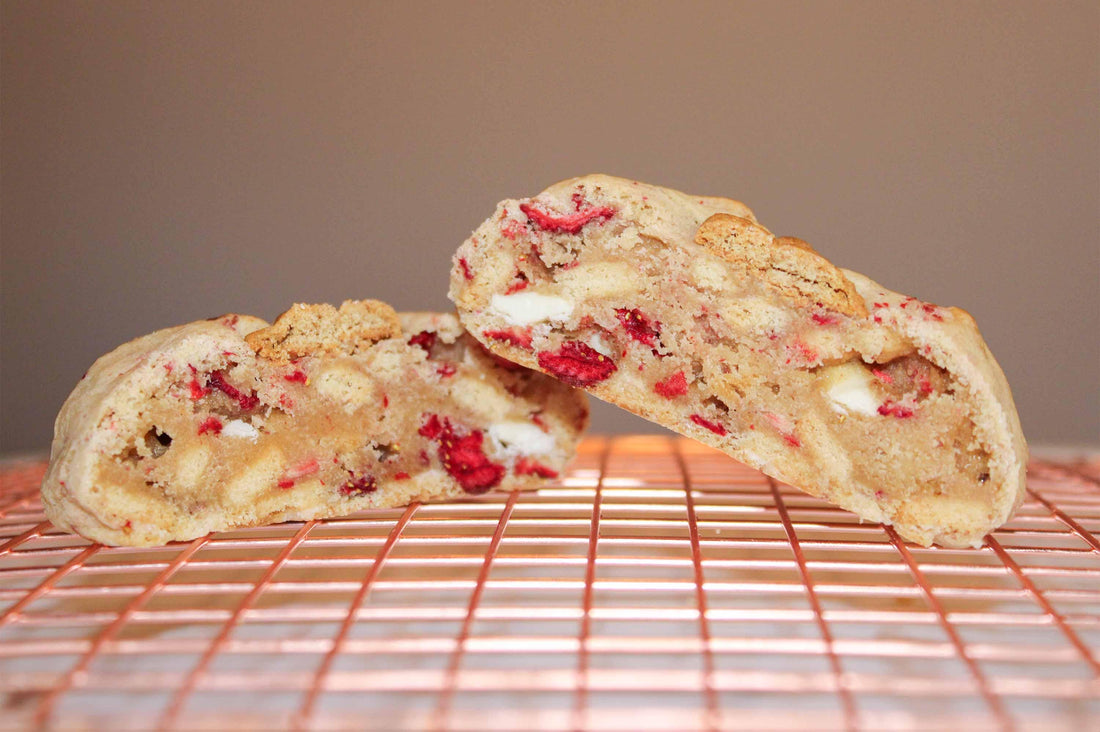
425 339
672 387
297 377
465 266
359 485
515 336
707 424
567 223
895 409
462 455
577 364
246 401
211 424
526 466
640 328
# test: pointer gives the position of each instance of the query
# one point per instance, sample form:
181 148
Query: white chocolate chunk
524 308
521 437
240 428
598 344
850 389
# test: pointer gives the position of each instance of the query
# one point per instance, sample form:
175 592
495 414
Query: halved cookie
231 422
685 310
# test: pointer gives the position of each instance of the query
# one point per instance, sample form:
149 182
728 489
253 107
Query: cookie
687 311
232 422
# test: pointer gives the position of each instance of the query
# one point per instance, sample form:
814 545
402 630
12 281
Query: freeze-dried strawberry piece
299 470
526 466
465 268
823 318
517 337
297 377
462 455
246 401
432 427
895 409
707 424
211 424
197 390
359 485
640 328
446 370
882 376
577 364
425 339
521 283
567 223
672 387
464 460
784 427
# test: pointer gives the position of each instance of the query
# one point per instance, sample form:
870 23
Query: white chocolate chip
524 308
600 345
240 428
521 437
850 389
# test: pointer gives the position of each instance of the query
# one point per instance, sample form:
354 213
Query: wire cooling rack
660 585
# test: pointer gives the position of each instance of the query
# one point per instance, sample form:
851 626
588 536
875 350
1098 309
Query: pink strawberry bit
520 338
462 455
931 311
197 391
801 353
425 339
432 427
673 386
577 364
359 485
211 424
519 284
526 466
539 422
401 476
246 401
298 470
297 377
882 376
640 328
707 424
784 428
445 370
895 409
567 223
512 229
465 267
823 318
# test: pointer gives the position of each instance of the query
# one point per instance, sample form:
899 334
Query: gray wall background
164 162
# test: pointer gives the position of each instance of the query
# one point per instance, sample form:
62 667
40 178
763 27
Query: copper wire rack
658 585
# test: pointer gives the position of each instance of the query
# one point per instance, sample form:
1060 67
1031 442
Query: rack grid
658 585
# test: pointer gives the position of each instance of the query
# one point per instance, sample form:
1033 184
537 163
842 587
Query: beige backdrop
164 162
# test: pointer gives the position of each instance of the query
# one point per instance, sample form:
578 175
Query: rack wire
659 585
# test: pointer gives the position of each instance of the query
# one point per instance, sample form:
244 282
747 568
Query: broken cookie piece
232 422
687 311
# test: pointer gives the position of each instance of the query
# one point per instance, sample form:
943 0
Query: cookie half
232 422
685 310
